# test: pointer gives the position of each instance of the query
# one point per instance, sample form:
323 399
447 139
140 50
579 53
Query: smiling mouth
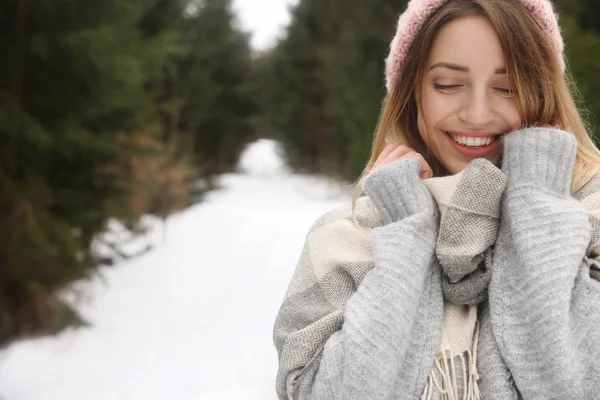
471 142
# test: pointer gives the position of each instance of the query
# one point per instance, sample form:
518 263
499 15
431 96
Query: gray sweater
351 330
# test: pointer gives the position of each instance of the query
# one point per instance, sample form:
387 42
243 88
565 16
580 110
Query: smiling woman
467 101
490 38
467 266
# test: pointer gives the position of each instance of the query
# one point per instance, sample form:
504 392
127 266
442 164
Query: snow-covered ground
265 19
191 319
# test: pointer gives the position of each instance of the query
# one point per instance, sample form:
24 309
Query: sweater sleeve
543 303
360 358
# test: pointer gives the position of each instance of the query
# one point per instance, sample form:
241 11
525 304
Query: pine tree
354 67
297 96
581 32
212 82
75 84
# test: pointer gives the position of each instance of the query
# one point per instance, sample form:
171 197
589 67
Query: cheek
426 128
427 112
422 126
510 114
434 110
435 107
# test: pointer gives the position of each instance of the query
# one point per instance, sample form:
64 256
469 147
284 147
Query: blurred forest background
115 109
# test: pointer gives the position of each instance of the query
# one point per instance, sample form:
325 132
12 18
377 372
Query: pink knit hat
418 11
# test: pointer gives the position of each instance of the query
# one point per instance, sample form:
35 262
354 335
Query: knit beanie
418 11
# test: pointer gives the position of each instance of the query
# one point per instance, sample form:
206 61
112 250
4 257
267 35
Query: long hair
545 96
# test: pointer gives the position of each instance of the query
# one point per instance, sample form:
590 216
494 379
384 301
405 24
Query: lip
474 152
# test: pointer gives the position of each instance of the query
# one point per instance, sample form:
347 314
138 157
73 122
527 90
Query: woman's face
467 102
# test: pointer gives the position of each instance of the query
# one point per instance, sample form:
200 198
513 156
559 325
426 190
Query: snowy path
192 319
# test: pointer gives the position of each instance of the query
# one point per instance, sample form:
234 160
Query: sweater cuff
542 157
397 190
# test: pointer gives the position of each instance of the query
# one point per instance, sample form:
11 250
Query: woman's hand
394 152
540 157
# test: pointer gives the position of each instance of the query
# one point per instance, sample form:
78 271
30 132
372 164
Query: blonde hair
544 95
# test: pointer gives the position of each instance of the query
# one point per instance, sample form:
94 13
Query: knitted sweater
362 318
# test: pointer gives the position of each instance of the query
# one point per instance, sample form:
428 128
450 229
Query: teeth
473 141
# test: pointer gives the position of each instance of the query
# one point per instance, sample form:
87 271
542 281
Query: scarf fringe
443 377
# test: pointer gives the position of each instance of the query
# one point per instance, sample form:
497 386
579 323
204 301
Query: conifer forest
116 109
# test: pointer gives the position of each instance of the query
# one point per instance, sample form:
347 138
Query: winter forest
122 120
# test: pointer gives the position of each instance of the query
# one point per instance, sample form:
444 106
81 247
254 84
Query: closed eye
504 91
446 88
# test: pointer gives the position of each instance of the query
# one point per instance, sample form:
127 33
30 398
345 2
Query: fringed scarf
469 204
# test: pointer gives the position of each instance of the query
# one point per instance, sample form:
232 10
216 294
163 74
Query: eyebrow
462 68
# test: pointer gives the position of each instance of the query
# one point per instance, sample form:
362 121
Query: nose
476 110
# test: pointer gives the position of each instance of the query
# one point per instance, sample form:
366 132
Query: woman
468 268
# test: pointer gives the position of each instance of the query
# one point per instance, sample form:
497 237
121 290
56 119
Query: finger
397 154
384 153
387 150
426 171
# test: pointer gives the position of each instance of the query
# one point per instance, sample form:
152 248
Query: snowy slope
193 318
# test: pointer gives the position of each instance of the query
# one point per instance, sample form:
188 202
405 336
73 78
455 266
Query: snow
263 158
192 318
266 20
